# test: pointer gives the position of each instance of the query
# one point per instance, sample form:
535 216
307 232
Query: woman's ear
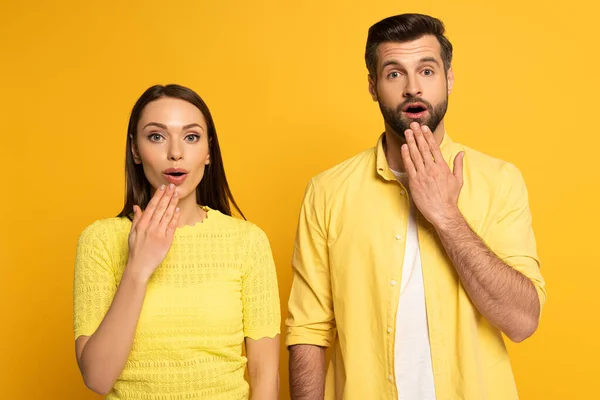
135 152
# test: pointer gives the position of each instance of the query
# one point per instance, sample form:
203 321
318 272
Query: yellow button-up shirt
348 255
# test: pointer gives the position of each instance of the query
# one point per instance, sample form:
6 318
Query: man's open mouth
414 108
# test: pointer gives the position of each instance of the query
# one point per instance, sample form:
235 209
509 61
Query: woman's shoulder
233 224
106 230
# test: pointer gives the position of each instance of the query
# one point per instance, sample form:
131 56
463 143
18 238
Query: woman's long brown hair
213 190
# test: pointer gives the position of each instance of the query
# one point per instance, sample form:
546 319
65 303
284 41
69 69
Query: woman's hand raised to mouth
152 232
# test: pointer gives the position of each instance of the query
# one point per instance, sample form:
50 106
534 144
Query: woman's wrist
134 276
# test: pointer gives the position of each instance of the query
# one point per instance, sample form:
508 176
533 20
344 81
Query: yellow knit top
216 286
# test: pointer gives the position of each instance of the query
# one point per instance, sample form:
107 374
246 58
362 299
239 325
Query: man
408 268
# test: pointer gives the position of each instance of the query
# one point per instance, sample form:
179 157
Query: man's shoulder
352 168
485 163
479 166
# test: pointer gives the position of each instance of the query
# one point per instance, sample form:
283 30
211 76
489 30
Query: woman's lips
175 179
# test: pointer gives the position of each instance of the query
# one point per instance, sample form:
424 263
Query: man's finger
413 150
423 146
434 147
409 166
458 167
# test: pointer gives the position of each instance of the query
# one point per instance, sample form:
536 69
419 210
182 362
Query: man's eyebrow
390 62
429 59
421 61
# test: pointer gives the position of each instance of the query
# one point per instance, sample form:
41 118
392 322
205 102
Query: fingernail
162 187
171 186
175 194
425 129
177 210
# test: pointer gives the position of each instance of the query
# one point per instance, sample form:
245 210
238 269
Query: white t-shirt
412 351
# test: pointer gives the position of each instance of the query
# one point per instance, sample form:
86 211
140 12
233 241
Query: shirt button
389 330
402 192
398 237
393 283
390 378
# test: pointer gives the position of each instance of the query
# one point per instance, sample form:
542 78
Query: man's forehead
426 46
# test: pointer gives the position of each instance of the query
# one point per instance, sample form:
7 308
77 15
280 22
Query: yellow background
287 85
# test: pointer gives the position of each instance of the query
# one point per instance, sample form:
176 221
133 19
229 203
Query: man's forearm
504 296
307 372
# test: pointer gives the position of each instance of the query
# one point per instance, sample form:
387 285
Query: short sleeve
94 283
260 293
512 238
311 317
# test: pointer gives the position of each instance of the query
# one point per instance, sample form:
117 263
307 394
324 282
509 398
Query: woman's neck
191 213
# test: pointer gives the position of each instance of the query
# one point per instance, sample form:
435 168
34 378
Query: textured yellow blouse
216 286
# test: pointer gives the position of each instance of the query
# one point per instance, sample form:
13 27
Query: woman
166 293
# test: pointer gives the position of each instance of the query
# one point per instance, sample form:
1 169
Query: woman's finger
168 215
170 232
162 205
151 207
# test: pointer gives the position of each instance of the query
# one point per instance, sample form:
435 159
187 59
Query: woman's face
172 144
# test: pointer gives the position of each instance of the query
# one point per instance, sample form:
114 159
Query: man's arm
311 320
307 372
503 295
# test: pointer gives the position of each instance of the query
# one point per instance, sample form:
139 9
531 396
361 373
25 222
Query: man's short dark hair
404 28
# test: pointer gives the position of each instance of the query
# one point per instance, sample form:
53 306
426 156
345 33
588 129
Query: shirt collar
383 169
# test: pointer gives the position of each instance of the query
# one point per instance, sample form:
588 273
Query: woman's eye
428 72
155 137
192 138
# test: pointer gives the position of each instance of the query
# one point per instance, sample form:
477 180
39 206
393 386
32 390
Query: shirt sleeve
260 293
311 318
94 284
512 238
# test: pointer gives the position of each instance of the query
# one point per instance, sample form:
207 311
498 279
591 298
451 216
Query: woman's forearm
104 354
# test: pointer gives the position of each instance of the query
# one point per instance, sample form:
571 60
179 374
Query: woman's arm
263 367
102 356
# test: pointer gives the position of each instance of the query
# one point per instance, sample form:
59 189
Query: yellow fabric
216 286
348 258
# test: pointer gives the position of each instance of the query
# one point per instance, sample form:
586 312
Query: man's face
411 84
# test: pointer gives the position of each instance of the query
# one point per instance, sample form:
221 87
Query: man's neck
394 142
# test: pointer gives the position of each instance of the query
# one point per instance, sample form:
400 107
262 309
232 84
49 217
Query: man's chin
421 121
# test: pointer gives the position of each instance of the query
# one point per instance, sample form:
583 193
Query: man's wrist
449 221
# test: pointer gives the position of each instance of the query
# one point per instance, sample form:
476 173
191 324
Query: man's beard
400 123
